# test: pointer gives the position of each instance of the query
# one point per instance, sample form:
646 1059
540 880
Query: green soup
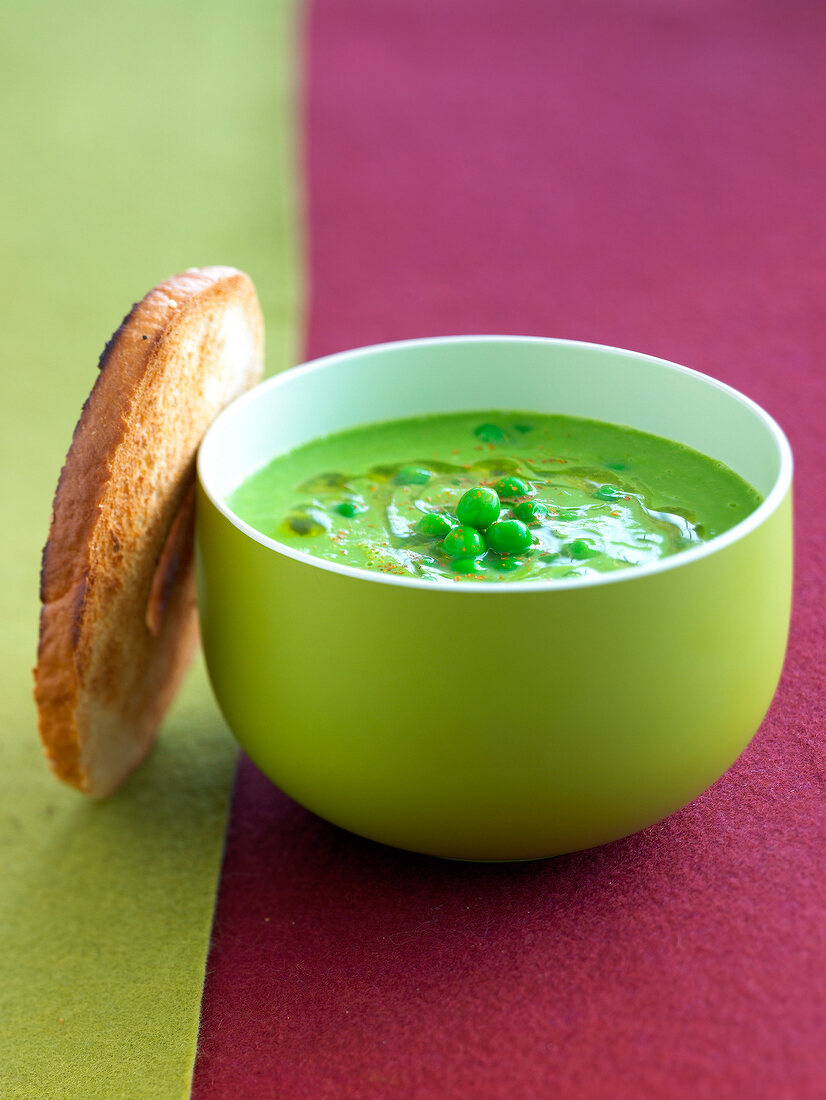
493 496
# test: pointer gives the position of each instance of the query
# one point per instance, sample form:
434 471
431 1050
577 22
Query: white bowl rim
685 558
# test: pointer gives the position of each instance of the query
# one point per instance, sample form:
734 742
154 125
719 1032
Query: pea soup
493 496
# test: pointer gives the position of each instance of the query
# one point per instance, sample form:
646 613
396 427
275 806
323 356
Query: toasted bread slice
118 623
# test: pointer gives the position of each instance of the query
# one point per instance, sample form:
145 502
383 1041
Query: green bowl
494 722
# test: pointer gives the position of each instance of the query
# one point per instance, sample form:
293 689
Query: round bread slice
118 623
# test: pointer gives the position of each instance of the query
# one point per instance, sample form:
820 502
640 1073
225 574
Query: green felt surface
138 140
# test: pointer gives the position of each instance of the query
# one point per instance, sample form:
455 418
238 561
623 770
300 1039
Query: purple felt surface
639 173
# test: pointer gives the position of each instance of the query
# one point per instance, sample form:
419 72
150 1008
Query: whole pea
412 475
479 507
508 536
467 566
434 524
512 488
531 512
464 542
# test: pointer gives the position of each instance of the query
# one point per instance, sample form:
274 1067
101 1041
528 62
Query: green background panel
138 140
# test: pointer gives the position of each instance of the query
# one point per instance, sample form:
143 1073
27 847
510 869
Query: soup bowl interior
570 712
423 377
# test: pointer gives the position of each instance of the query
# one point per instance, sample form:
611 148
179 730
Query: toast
118 621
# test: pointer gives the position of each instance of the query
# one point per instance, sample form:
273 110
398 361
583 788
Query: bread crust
118 622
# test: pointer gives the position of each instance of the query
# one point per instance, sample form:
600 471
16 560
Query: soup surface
493 496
